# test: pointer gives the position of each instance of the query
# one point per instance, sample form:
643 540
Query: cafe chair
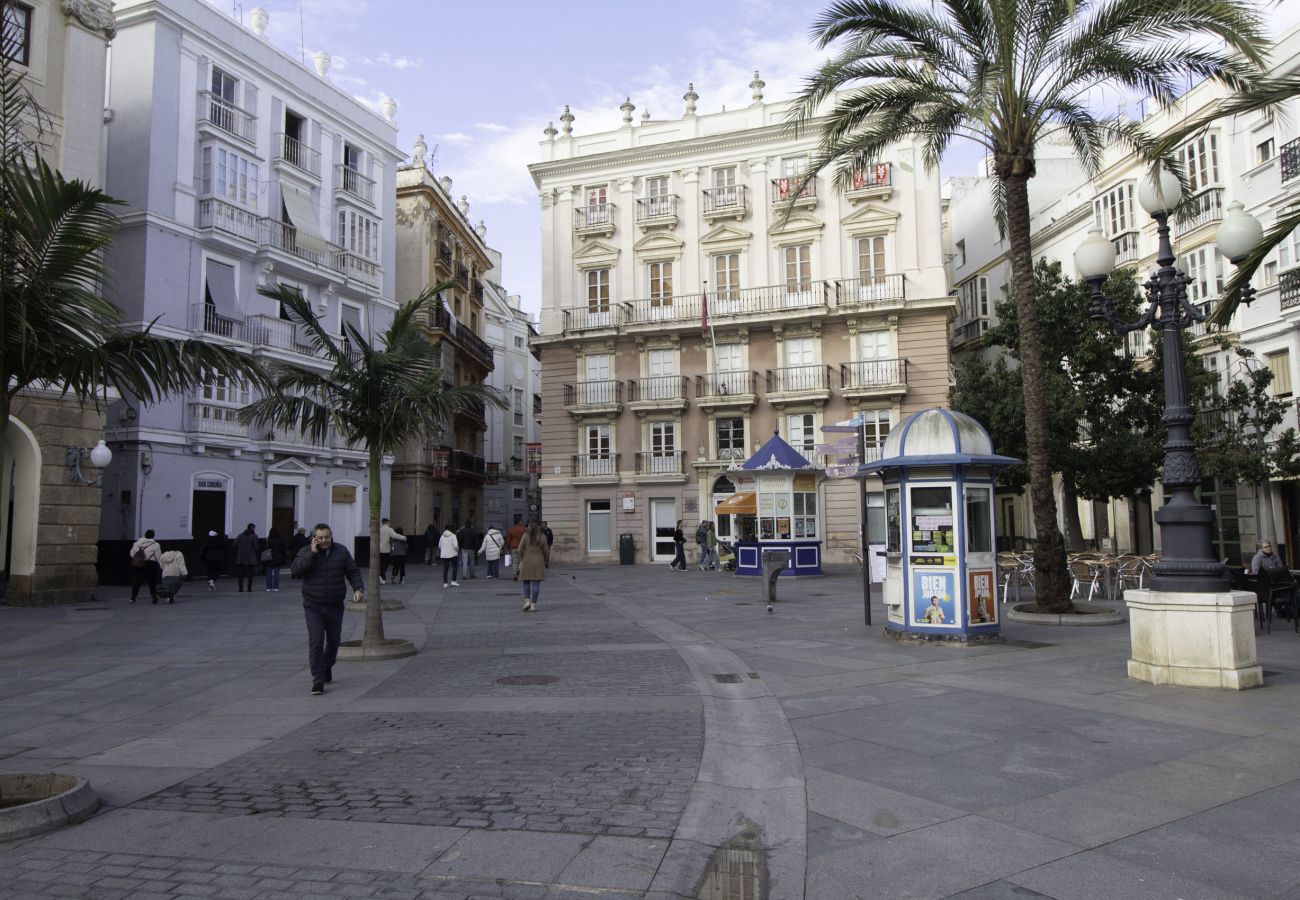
1281 586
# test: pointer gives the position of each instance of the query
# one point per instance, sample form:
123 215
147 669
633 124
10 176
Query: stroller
726 556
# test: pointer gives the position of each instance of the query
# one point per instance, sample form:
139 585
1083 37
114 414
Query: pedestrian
246 557
146 556
431 533
297 542
174 574
448 552
711 545
1264 558
494 543
701 539
385 549
550 535
468 539
513 537
215 553
273 555
398 546
326 569
534 557
679 546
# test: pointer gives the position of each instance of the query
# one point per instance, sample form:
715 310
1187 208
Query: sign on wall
533 453
983 609
441 458
933 599
343 493
493 473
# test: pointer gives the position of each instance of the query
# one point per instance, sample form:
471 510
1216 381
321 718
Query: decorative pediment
596 255
871 218
289 466
659 243
726 238
800 226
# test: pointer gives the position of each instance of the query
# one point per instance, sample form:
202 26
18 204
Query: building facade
48 536
695 300
439 480
240 169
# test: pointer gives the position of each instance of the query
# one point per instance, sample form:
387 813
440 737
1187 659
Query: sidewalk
639 727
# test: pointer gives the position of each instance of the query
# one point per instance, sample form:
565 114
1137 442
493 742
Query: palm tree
1007 74
380 397
56 329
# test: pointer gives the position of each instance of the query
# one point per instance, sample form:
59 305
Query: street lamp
1238 235
1188 563
99 457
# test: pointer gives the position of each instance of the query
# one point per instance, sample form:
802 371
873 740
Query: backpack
138 559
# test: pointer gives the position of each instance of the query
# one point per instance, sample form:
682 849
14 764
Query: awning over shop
744 503
302 213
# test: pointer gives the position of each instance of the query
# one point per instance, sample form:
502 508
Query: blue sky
481 79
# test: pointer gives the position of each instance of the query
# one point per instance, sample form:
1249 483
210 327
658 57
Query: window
871 259
724 177
599 526
1114 210
519 406
725 193
221 315
1201 157
1280 365
798 269
875 428
229 176
598 440
726 276
805 515
1270 273
731 377
961 253
1204 267
1288 252
224 85
597 196
794 166
729 357
350 316
663 446
1264 151
658 202
598 459
359 234
730 437
351 158
598 290
874 345
799 352
979 520
282 310
519 342
224 389
803 432
598 367
661 284
974 298
16 40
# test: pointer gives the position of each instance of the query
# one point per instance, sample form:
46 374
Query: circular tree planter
385 605
1089 614
38 802
390 648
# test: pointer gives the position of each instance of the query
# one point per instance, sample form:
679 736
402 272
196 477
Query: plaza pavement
645 733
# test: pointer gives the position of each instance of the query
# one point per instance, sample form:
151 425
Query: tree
56 329
1006 74
376 397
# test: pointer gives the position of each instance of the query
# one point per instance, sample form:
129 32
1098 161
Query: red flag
704 313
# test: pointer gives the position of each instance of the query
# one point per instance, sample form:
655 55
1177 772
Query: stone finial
321 60
421 150
481 230
757 86
628 108
690 97
645 116
550 131
445 181
566 121
463 205
258 19
389 108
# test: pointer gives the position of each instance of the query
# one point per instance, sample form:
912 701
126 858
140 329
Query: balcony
661 465
462 464
476 414
964 331
461 274
684 309
593 317
596 468
282 236
786 192
657 212
858 292
658 393
798 383
594 221
205 319
226 117
874 378
444 255
476 290
364 272
875 181
731 202
228 219
678 308
277 333
477 347
603 397
353 183
1126 247
297 154
1205 208
1289 288
215 420
735 389
1290 160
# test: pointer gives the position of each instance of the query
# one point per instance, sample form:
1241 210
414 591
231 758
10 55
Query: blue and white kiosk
940 564
776 507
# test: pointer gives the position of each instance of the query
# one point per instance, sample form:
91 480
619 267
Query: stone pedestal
1194 640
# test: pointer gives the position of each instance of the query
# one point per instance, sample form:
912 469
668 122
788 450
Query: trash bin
626 550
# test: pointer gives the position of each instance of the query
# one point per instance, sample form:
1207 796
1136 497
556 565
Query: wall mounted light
99 457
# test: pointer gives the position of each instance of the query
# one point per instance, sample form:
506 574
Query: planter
35 803
1085 614
390 648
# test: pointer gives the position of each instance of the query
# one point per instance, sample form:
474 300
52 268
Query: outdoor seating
1280 584
1086 575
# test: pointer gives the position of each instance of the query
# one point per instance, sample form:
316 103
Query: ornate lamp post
1188 563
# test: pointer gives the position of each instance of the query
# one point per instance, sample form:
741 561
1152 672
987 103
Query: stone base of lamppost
1194 640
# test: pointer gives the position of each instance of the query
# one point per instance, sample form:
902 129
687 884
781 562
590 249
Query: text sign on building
343 493
209 484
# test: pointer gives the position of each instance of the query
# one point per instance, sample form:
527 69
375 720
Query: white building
240 168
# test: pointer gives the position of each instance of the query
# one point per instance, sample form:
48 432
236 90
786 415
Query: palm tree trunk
1051 579
374 634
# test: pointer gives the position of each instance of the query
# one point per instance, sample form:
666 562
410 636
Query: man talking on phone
326 569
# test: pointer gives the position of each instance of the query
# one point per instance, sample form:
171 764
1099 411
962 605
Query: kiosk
940 572
776 507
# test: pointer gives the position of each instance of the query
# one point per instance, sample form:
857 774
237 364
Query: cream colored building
819 306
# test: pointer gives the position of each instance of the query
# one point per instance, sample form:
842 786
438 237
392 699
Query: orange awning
744 503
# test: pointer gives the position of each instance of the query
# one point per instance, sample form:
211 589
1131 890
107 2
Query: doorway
284 509
209 512
663 520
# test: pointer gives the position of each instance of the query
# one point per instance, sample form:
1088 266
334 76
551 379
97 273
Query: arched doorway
20 500
722 489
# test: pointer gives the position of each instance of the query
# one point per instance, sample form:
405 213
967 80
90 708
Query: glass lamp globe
1095 257
1240 232
101 456
1159 192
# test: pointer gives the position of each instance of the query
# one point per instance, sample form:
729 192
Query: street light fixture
99 457
1238 235
1188 563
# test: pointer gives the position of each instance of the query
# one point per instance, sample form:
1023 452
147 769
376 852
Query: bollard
773 562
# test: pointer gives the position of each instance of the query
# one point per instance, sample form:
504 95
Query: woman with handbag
534 557
493 546
273 558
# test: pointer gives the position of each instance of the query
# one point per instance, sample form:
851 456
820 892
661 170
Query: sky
481 79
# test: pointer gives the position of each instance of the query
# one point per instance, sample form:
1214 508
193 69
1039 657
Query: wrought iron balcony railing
594 465
297 154
593 393
661 462
227 116
869 373
353 182
799 378
658 387
726 384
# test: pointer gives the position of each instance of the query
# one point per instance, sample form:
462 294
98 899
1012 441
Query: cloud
400 63
492 126
455 137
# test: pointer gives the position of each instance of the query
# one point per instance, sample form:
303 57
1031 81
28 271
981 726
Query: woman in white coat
449 553
494 543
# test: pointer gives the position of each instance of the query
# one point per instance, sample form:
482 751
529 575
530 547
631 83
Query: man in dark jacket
246 554
469 539
326 569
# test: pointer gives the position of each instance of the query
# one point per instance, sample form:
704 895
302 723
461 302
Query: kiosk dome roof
938 437
777 454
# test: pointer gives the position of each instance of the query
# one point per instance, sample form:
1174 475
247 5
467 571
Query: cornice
92 15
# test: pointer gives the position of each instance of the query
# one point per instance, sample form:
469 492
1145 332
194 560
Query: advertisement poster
534 454
933 601
493 473
440 460
983 608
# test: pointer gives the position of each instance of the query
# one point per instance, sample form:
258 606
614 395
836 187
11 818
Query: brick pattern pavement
38 873
624 774
596 673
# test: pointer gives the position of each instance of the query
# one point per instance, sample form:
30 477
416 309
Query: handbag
267 555
506 560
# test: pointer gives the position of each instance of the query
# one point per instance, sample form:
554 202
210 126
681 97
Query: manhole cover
528 679
727 679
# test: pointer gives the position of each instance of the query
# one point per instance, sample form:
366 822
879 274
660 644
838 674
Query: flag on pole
704 312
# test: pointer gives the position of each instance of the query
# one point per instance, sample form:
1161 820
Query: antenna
433 159
302 34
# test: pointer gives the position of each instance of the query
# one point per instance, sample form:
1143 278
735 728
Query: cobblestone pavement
623 774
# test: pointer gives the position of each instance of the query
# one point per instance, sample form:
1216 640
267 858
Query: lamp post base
1194 639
